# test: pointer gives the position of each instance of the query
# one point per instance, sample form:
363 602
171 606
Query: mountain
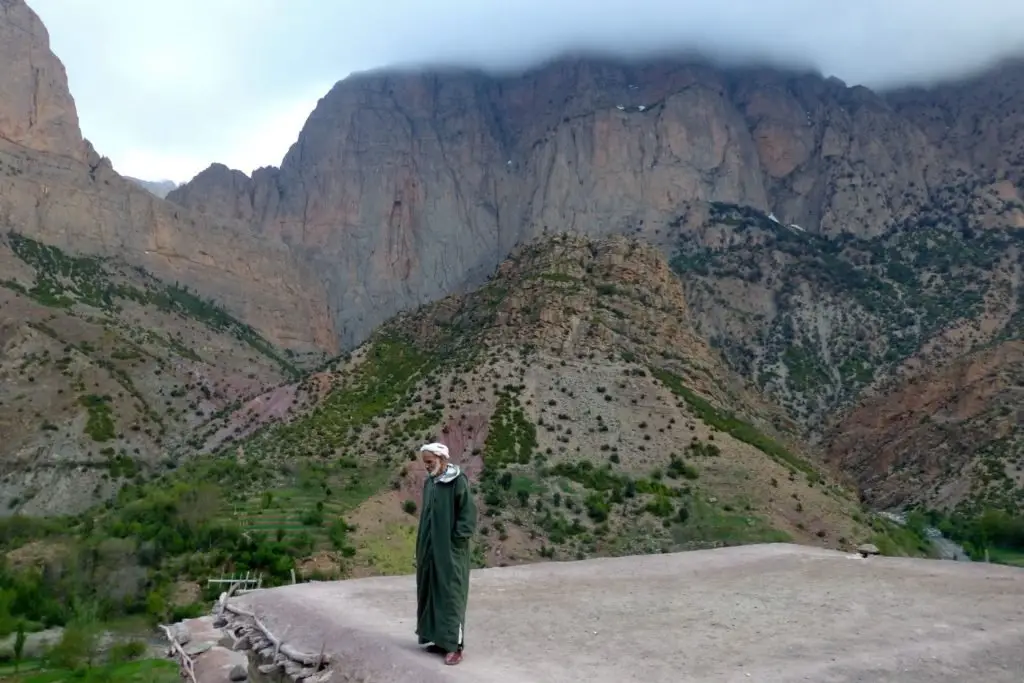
160 188
111 346
572 388
591 417
650 306
895 353
817 322
404 186
832 244
833 241
58 190
106 370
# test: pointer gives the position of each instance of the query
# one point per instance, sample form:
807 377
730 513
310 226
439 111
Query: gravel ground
772 613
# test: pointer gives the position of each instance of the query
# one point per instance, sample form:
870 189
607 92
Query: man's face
432 463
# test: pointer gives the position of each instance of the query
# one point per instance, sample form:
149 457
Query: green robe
447 522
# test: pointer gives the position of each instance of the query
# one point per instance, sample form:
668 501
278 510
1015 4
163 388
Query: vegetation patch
901 541
144 671
392 551
512 437
100 424
889 295
732 425
997 533
381 383
707 524
62 280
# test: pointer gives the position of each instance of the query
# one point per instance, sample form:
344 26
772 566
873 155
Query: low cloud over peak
166 89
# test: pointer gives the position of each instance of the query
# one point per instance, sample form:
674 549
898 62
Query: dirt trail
771 613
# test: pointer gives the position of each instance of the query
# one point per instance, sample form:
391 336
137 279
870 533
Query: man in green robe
447 523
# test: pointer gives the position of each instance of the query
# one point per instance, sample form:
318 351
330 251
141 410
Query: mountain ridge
551 149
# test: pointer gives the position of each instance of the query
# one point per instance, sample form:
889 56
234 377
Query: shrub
100 424
661 506
683 514
126 651
597 507
314 517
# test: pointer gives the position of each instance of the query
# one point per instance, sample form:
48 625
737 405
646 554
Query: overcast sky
166 88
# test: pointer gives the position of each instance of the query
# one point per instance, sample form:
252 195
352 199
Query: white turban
435 448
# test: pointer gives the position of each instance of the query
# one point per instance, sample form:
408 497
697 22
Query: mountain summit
36 107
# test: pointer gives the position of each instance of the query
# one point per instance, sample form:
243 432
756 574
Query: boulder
866 549
181 633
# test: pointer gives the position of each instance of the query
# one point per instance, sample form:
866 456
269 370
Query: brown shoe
453 658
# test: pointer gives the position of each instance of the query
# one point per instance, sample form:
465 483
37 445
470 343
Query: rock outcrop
226 646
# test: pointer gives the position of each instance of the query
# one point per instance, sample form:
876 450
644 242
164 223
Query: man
447 522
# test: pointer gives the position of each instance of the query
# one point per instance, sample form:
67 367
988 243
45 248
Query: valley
650 307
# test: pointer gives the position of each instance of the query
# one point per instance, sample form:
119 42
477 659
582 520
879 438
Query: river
945 548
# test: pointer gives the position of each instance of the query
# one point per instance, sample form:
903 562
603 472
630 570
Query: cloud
165 88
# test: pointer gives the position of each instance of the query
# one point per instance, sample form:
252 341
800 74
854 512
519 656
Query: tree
7 598
77 645
156 606
199 505
19 645
338 533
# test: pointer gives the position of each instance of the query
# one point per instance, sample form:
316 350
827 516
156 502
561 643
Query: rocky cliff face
978 124
56 188
36 107
405 186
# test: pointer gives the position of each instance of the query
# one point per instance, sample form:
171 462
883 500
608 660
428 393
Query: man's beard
437 468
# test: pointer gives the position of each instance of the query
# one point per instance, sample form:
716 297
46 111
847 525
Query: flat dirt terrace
771 613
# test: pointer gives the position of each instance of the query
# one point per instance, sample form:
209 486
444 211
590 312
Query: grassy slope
105 371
